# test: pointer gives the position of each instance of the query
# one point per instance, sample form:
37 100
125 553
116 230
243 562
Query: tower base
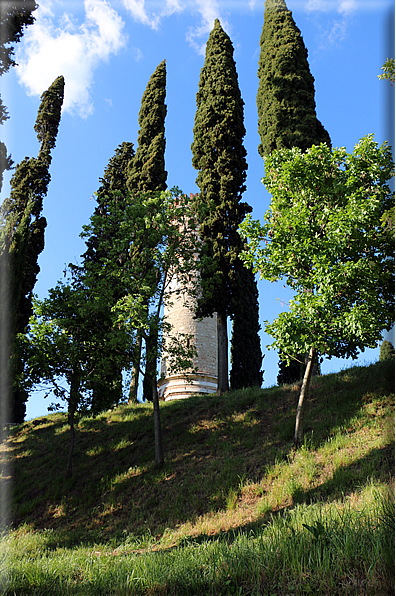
183 386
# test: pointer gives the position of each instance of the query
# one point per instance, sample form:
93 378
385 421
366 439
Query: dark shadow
211 444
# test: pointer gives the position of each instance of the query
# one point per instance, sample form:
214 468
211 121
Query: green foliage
290 373
286 95
246 357
389 71
15 15
107 390
146 247
147 169
219 157
322 235
146 172
387 351
48 118
22 231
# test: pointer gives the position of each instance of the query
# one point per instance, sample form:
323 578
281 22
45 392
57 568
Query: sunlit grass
233 496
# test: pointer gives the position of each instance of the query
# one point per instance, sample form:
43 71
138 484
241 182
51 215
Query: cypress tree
219 157
286 95
108 391
246 357
147 173
23 232
147 169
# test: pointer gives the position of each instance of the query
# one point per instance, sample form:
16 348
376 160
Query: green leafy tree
107 390
15 16
22 230
147 173
219 157
286 95
387 351
323 237
389 71
148 248
66 352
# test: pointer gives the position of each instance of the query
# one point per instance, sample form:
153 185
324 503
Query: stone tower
179 312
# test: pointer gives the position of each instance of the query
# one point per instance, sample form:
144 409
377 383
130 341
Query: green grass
236 508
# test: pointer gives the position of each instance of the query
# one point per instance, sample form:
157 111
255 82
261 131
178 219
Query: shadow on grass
212 445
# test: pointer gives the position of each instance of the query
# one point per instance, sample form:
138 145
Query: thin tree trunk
74 395
133 389
222 354
159 453
299 429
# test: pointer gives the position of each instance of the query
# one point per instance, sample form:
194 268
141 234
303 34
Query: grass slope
235 510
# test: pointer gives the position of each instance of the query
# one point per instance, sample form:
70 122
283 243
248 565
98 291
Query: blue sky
107 51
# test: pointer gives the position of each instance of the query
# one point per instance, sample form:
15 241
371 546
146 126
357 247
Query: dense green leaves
286 95
147 169
219 156
322 236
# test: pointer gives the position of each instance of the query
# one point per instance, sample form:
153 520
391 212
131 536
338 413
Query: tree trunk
74 395
299 429
159 453
133 389
151 368
222 354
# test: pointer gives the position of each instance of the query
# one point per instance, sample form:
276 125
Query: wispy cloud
138 11
50 50
336 29
209 11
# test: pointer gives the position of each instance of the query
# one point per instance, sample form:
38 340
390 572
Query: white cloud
347 6
67 49
139 13
338 31
209 11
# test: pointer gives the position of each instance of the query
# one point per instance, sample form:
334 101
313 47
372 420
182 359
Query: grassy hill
235 510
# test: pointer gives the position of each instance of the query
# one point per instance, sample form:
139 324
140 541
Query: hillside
231 468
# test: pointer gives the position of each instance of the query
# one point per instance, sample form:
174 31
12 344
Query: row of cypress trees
286 118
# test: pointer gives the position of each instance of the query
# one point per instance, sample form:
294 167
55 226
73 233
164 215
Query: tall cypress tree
147 169
108 391
23 233
147 173
286 94
219 157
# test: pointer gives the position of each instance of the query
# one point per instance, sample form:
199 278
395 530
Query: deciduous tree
322 235
149 246
67 352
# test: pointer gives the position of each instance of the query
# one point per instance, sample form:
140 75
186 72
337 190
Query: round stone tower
179 313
